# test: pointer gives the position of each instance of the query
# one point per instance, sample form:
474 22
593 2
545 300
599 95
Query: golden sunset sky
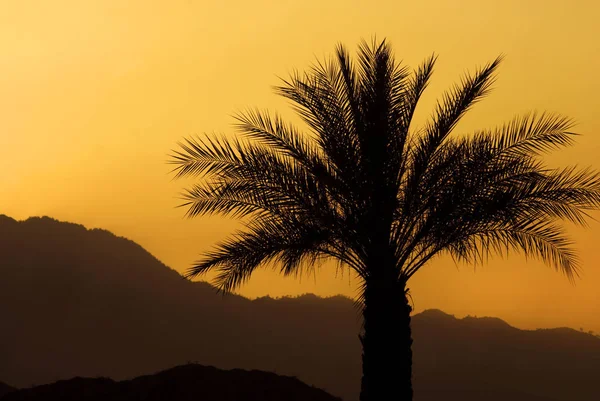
95 94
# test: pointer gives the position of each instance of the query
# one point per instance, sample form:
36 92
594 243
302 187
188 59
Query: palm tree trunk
386 342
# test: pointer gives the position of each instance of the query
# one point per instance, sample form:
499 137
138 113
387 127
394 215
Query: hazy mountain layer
77 302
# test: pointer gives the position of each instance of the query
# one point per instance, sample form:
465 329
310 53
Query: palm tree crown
365 181
365 187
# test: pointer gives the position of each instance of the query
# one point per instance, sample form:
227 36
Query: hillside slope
5 389
79 302
182 383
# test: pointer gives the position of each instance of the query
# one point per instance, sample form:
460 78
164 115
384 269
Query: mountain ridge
180 383
107 307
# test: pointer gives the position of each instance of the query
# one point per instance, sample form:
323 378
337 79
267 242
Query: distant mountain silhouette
79 302
182 383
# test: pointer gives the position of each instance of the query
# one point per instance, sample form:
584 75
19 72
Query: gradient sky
94 95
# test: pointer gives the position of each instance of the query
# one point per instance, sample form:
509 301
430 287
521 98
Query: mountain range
85 303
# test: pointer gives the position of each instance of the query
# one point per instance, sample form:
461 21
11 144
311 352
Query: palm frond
454 105
406 104
531 134
204 156
469 190
456 102
318 101
264 182
543 240
287 243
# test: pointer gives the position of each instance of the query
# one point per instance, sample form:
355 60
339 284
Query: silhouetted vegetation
77 302
381 196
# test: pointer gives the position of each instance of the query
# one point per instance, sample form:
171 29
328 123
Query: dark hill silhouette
79 302
182 383
5 389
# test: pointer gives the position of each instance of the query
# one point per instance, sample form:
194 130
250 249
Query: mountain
78 302
487 359
182 383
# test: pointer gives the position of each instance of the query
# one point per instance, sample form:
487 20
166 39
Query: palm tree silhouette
381 197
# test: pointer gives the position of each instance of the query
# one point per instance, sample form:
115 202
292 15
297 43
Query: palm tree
365 187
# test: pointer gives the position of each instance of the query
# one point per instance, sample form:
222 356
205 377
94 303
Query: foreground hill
182 383
5 389
77 302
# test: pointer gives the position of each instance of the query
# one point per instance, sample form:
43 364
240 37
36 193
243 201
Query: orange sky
94 94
